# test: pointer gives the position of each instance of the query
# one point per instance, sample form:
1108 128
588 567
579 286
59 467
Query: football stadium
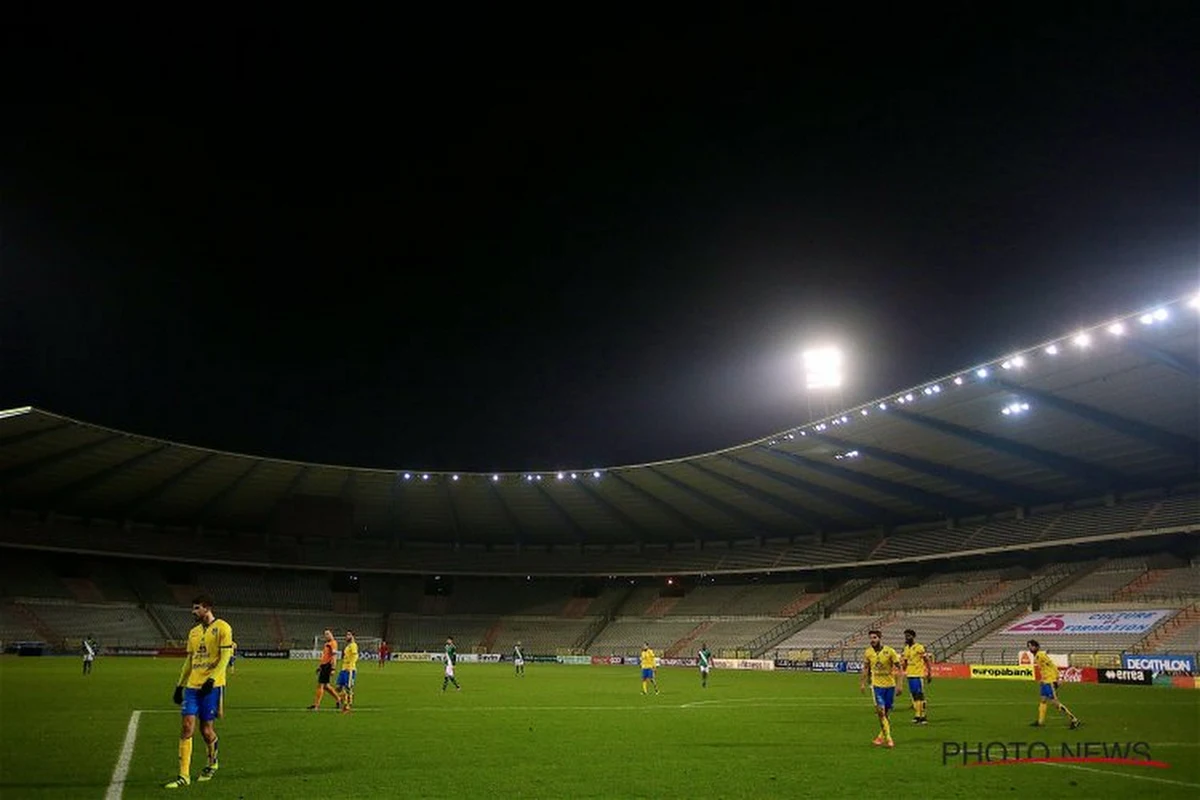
1050 493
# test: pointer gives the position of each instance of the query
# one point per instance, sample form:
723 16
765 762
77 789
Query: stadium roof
1112 408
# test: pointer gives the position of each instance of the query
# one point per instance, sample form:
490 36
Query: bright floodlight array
823 368
819 372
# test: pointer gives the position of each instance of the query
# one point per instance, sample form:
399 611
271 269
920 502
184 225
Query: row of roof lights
532 476
1081 340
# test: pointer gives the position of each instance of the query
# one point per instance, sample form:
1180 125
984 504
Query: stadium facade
1066 472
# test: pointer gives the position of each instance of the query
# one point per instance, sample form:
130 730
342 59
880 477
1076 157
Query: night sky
479 244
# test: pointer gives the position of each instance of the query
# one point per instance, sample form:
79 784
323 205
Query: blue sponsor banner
1159 662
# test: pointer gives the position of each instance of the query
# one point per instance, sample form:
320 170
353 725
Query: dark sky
470 243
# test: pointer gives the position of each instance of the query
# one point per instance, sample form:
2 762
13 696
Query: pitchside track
567 731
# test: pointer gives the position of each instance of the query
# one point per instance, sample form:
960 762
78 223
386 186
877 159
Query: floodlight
1160 314
937 389
981 372
408 476
424 477
1116 329
823 368
596 474
958 381
1194 302
1146 319
865 412
1052 350
495 478
908 397
453 477
1018 361
573 476
883 406
1082 339
560 476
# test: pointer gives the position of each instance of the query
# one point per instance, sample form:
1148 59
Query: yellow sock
920 708
1041 713
185 757
645 686
887 728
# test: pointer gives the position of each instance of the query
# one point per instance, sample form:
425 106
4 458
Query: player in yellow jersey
348 673
648 665
880 663
1046 673
201 686
916 665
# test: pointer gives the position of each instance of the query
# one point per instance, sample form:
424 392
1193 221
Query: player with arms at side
880 663
648 664
451 660
325 671
915 662
201 687
348 673
704 659
1046 672
385 653
519 660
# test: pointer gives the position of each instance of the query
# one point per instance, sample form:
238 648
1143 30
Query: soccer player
881 662
915 662
89 654
232 657
1046 672
648 663
519 660
325 672
200 689
451 660
349 671
704 657
384 652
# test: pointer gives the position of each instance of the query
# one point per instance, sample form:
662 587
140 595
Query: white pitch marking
1116 774
117 785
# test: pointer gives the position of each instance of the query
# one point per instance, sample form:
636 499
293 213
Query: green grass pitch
566 731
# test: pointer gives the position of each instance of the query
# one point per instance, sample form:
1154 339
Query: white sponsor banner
743 663
416 656
304 655
1081 622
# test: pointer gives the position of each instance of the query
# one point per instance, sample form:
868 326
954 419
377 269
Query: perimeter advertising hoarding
744 663
1002 672
1160 662
1133 677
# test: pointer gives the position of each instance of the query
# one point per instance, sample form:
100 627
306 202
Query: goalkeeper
201 687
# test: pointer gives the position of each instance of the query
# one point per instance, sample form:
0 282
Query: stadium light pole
824 374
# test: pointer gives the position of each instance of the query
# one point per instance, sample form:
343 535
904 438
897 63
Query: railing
970 631
763 642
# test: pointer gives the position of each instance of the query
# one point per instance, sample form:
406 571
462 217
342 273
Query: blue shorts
346 678
1048 691
916 685
206 708
647 674
884 696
